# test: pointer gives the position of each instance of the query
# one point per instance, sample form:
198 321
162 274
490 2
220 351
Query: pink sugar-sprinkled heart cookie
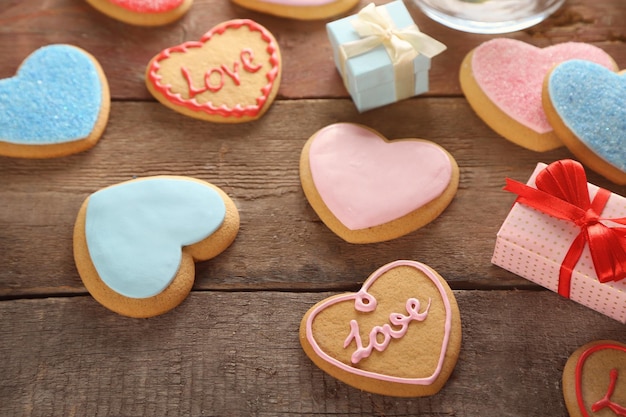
299 9
231 75
399 335
586 104
367 189
502 80
143 12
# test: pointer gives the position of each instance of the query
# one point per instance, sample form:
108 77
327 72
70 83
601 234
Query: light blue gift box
369 77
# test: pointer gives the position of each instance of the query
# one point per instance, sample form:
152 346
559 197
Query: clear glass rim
486 26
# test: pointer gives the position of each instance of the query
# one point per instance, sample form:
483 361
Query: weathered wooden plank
238 354
124 50
282 243
231 348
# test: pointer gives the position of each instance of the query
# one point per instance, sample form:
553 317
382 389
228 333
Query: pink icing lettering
246 57
386 331
606 402
364 300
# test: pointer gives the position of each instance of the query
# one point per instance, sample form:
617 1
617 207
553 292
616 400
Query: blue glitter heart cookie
57 104
586 105
135 243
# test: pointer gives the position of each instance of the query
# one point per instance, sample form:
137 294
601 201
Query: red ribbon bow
562 193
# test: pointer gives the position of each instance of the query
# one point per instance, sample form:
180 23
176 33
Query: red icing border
161 6
579 369
208 107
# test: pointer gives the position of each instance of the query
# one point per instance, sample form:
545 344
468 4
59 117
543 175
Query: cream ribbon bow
376 27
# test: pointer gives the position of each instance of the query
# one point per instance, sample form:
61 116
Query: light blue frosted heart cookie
586 104
136 240
57 104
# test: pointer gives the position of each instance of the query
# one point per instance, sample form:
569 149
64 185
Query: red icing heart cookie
400 335
231 75
143 12
594 380
367 189
502 80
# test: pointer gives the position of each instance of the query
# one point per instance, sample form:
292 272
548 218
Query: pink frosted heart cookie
143 12
585 104
231 75
594 380
502 80
399 335
299 9
368 189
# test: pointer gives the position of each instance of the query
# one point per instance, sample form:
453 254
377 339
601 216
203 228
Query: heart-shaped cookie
502 80
143 12
399 335
57 104
135 243
299 9
366 188
231 75
585 103
594 380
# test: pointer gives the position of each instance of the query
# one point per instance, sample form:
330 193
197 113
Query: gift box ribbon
375 27
562 193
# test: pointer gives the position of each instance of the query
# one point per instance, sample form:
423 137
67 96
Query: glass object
488 16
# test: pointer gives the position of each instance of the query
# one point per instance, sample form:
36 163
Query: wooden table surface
231 348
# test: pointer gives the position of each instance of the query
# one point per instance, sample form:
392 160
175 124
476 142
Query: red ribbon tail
608 252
